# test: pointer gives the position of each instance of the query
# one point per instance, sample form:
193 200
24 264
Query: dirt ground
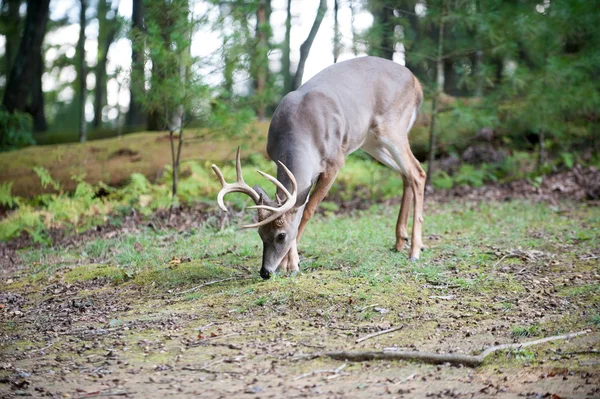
94 340
64 336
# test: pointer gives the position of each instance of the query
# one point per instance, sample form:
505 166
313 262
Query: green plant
530 331
16 130
45 178
442 180
6 199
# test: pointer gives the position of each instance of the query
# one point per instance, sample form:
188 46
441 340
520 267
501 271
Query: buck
369 103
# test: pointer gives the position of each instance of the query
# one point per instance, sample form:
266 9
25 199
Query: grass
348 249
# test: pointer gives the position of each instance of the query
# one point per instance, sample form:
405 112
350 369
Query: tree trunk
36 106
285 58
305 47
107 30
261 60
439 87
11 22
337 37
82 73
353 29
28 63
135 115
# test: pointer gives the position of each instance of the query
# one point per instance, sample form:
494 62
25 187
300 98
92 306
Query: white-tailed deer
369 103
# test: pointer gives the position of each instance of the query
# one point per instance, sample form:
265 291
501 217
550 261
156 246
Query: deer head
278 219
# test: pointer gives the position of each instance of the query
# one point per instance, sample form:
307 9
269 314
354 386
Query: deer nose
265 274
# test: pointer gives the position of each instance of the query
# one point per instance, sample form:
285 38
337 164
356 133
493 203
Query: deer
369 103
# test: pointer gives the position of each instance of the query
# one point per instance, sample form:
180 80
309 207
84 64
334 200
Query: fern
45 177
6 199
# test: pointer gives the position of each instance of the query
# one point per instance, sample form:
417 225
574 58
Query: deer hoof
413 259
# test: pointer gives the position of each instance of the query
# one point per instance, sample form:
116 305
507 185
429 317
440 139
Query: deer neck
302 165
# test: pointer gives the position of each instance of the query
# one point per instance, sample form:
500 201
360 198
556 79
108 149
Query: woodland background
511 90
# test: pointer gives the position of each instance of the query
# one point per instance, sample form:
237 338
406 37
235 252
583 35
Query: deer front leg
291 262
321 189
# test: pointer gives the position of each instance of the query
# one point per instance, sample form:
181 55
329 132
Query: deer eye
280 237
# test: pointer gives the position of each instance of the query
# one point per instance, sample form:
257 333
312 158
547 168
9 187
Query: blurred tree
337 36
135 115
260 58
381 36
11 28
285 57
174 92
305 47
82 73
108 27
23 87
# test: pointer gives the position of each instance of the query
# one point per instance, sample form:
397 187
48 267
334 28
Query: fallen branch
366 337
437 358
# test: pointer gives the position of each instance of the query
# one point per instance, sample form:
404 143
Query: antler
240 186
286 206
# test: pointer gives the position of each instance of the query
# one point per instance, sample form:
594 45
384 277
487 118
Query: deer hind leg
414 189
394 151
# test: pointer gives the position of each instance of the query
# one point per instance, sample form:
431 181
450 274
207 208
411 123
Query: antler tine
275 182
287 205
291 177
238 168
239 186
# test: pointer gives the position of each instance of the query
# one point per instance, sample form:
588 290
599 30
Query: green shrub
16 130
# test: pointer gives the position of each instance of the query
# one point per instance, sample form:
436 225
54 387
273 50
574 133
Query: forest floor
174 307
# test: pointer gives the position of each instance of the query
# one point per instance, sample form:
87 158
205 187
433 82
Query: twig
196 288
436 358
497 263
368 306
44 348
204 340
378 334
107 392
336 371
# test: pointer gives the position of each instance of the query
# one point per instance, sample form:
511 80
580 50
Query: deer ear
302 198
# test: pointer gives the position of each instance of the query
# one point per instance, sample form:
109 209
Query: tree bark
28 65
82 73
107 30
36 105
11 23
305 47
135 115
337 39
285 58
439 87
